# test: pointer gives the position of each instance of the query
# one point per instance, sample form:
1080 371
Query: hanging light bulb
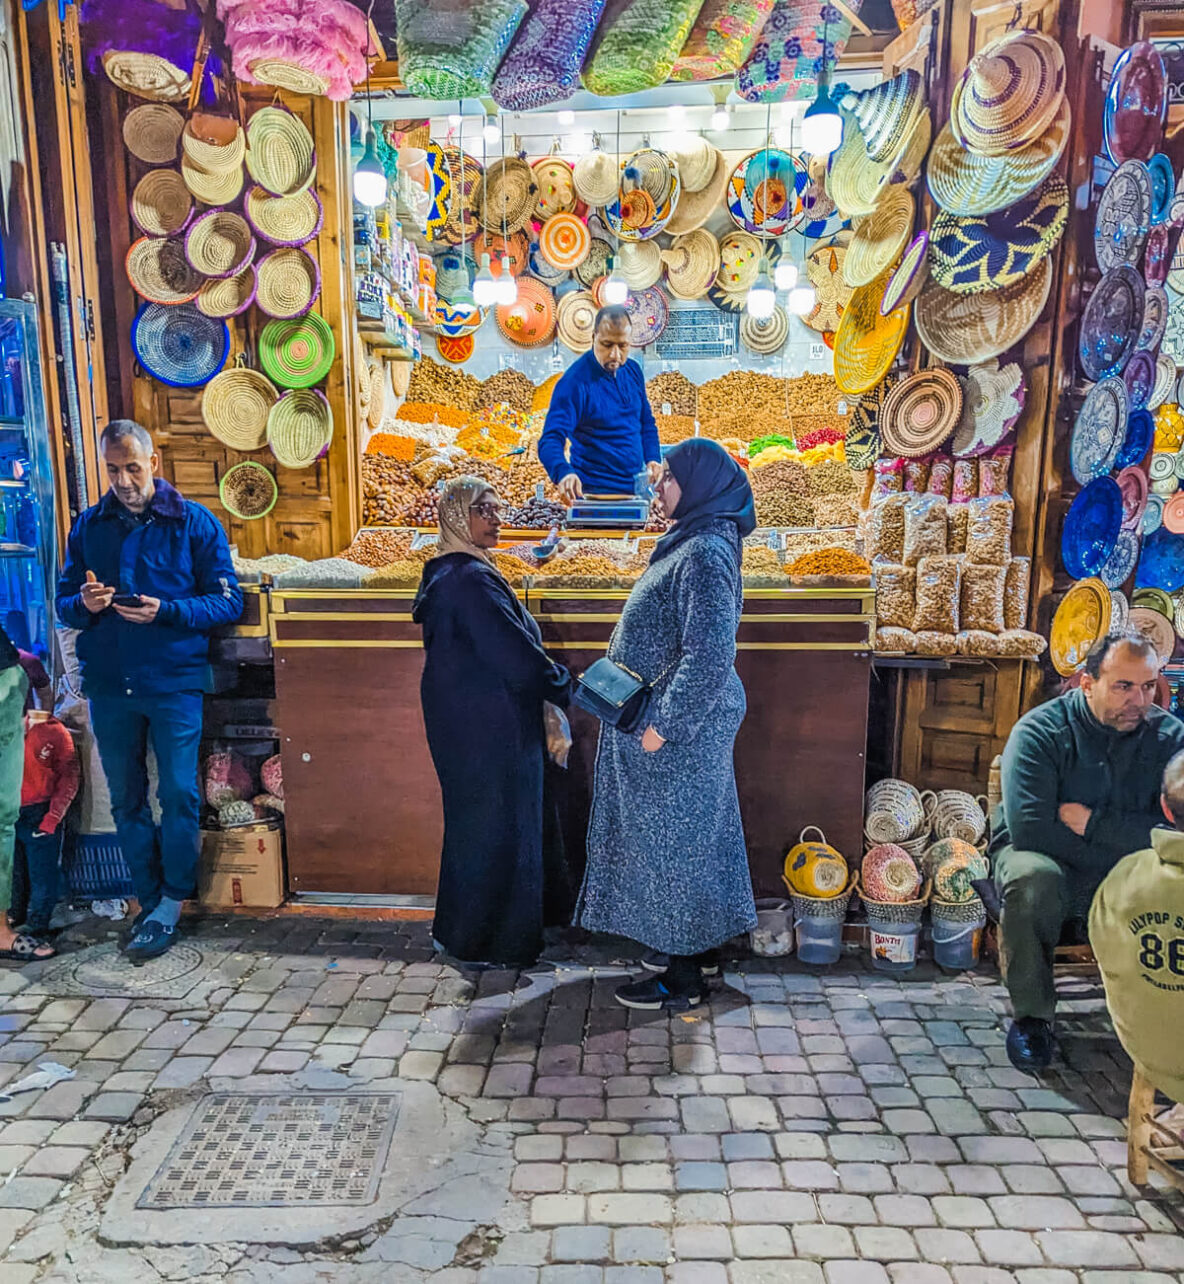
567 116
802 299
490 131
785 275
822 126
762 297
485 285
721 118
616 288
369 176
507 285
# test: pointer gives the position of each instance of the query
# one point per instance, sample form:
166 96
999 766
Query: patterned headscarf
457 498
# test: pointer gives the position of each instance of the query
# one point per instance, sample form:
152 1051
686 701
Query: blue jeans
164 866
35 875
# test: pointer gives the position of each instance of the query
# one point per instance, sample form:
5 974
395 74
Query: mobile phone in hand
127 599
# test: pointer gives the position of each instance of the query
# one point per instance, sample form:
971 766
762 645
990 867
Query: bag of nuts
957 520
982 597
896 601
885 529
994 471
931 643
889 478
903 641
916 476
977 642
924 528
941 476
988 530
1020 644
965 484
1015 592
939 586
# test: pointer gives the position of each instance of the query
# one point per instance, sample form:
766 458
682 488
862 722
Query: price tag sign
817 351
540 492
774 540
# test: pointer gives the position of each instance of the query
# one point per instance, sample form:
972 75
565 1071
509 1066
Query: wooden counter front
363 812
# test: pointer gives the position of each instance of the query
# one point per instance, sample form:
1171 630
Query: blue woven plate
179 345
1091 528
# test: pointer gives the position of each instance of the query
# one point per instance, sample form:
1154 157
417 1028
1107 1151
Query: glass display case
28 558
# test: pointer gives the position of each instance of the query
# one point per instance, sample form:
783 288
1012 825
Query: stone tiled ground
848 1128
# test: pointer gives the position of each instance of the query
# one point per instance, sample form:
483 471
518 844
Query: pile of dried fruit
743 391
391 495
830 561
536 515
426 412
431 381
508 387
380 548
397 447
674 390
785 476
674 428
812 394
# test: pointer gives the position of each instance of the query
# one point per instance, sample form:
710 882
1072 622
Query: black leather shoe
1029 1044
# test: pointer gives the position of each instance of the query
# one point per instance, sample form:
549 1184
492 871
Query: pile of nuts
674 428
581 571
674 390
742 390
507 387
812 394
431 381
784 476
779 508
379 548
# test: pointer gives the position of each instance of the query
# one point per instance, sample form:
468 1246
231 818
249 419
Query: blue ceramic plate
1162 563
1163 187
1139 377
1153 514
1112 323
1099 430
1091 528
1140 432
1122 561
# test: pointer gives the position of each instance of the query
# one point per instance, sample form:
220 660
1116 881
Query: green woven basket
297 353
248 491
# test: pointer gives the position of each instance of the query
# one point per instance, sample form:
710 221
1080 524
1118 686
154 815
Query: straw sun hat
696 163
640 263
965 329
595 178
576 315
1009 94
507 195
695 208
691 263
886 112
880 238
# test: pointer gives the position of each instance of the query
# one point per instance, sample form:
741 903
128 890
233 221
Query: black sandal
24 950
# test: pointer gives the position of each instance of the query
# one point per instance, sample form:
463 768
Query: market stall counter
359 778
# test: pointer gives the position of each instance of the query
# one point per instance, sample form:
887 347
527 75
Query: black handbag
616 695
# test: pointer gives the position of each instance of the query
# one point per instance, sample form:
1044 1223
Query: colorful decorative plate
529 321
457 318
1175 277
1082 617
456 349
1140 432
1136 104
515 247
1152 514
1139 377
648 312
1157 255
1098 430
1153 599
556 187
1155 322
763 194
1162 563
1172 343
992 401
1132 481
824 271
969 255
1112 322
1159 632
1165 381
564 241
1124 216
658 183
866 343
1163 187
1162 466
1173 514
1091 528
1120 611
440 192
1120 565
821 217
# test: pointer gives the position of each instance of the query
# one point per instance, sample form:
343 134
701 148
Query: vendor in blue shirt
600 410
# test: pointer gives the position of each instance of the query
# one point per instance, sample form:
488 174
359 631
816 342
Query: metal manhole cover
104 972
244 1150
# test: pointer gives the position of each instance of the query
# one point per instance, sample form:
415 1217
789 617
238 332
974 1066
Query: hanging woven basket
248 491
284 220
159 271
216 143
300 428
151 131
220 243
280 154
227 296
289 282
161 204
235 406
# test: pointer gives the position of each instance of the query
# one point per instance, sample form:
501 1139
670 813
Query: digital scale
608 512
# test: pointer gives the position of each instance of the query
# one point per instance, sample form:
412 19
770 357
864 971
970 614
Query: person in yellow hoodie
1136 928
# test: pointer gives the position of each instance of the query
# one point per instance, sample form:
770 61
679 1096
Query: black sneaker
653 995
1029 1044
655 962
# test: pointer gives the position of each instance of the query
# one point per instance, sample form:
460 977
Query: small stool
1148 1143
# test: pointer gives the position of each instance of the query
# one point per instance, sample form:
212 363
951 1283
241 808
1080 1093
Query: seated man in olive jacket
1081 780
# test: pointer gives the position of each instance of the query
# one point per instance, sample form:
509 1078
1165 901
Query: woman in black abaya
485 683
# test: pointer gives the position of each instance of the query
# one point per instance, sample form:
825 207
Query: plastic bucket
957 940
819 940
773 935
893 946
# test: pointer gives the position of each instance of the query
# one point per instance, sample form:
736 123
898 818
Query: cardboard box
242 866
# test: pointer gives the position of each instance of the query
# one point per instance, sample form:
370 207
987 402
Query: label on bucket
893 948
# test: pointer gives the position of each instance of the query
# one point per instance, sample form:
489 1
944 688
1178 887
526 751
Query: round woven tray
178 345
210 186
227 296
220 243
159 271
248 491
300 428
281 157
289 282
285 74
146 75
151 131
297 353
215 143
284 220
235 405
161 204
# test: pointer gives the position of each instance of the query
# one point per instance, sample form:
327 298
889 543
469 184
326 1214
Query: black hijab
714 486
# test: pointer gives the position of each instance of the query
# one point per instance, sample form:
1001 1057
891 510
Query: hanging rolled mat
451 48
637 44
784 61
721 39
544 62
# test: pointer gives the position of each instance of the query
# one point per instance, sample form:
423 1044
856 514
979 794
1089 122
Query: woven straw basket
289 282
220 243
161 204
300 428
151 131
212 187
823 906
235 406
897 911
281 157
248 491
284 220
227 296
215 143
159 271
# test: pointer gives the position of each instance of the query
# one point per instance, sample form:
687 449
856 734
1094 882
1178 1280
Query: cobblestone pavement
845 1128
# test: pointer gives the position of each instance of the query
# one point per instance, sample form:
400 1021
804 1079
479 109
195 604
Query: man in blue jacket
148 575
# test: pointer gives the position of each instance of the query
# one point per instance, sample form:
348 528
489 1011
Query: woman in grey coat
667 865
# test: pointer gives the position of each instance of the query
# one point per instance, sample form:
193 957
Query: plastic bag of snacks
941 476
798 37
1020 644
885 529
1015 592
982 597
721 39
893 639
896 595
994 472
965 484
889 478
933 643
957 520
544 62
924 528
977 642
988 530
451 48
939 587
916 475
638 43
